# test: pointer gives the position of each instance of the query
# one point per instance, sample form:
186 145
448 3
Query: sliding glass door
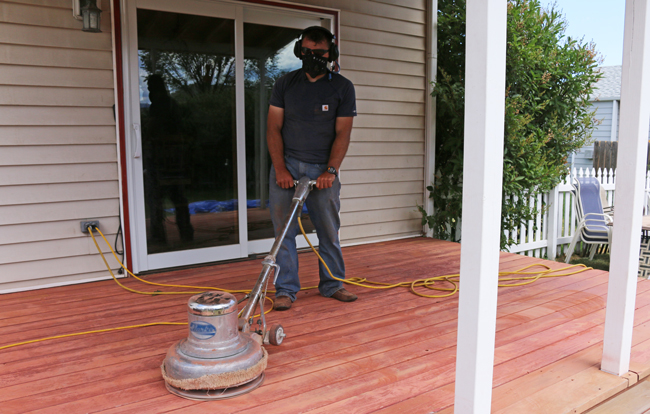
200 76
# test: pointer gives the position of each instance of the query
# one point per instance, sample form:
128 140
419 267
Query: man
308 133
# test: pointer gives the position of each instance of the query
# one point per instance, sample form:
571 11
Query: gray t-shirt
310 112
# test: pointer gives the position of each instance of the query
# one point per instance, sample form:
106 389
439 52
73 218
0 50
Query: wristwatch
332 170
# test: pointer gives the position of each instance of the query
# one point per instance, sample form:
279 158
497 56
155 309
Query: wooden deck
388 352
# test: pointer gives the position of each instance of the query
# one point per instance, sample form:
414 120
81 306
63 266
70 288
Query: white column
430 107
630 174
482 176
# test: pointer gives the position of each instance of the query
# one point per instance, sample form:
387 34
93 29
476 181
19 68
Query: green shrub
549 78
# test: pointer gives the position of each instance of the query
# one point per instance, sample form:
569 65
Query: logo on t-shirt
326 108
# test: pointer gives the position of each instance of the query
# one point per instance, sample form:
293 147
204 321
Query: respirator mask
314 65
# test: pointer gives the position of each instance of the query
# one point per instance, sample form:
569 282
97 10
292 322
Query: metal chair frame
593 223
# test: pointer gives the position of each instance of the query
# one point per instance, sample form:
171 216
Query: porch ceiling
390 351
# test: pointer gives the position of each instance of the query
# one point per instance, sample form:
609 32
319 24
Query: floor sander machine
223 355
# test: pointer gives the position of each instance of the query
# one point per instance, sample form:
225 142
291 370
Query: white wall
58 159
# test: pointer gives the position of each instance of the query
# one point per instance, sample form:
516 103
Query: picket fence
552 231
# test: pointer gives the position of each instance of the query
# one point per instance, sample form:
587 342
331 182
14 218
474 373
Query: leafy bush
549 78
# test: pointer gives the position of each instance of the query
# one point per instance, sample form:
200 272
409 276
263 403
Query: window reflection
268 55
187 107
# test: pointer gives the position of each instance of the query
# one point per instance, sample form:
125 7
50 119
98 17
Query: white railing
551 231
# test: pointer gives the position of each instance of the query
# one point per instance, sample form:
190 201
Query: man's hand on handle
325 180
283 178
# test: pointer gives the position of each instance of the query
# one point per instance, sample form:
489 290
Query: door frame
250 11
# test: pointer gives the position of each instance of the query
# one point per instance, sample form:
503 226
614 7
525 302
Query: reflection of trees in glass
260 74
189 72
203 85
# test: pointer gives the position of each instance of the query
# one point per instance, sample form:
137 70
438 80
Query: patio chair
593 223
607 209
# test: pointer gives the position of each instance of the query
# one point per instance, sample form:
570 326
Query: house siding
606 101
602 132
58 161
383 53
58 156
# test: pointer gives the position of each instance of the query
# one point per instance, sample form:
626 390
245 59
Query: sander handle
303 187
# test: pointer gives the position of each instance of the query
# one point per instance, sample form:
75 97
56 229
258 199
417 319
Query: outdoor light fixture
89 13
91 16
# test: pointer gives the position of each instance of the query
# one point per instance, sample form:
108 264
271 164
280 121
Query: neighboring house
606 100
76 129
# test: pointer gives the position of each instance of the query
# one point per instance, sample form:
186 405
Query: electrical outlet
91 223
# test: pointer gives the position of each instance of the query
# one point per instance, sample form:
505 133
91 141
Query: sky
599 20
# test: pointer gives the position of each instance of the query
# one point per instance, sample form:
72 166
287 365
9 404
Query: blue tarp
214 206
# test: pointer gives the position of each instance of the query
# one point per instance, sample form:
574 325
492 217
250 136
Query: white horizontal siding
381 202
51 174
363 176
382 231
389 121
375 107
29 35
383 52
51 76
12 195
372 10
49 268
56 96
382 24
380 93
58 161
387 134
52 249
374 79
380 189
412 4
383 148
378 216
24 13
54 57
61 154
46 282
58 151
372 36
56 135
51 230
45 115
603 130
49 212
54 4
364 162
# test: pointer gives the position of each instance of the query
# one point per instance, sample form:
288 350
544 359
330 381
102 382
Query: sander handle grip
303 187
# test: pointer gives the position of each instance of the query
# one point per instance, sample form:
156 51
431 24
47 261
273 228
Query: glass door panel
268 54
188 113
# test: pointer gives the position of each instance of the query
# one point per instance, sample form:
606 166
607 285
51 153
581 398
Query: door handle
137 152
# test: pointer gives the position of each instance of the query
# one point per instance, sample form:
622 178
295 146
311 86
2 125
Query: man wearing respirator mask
308 133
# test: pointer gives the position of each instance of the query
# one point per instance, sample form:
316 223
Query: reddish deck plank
388 352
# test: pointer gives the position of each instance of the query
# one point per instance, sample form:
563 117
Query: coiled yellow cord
356 281
452 279
201 288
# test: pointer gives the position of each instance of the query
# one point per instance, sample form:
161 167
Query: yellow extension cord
361 282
